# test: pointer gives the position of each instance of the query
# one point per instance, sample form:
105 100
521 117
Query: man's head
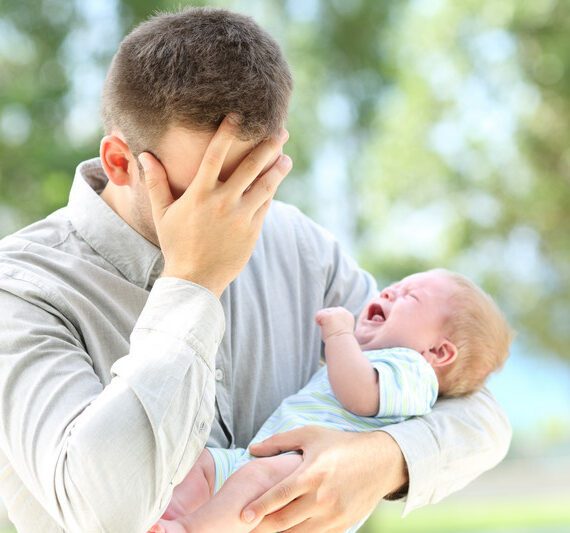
453 323
171 83
190 69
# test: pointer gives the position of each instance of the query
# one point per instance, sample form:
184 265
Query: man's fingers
308 526
215 154
259 216
281 442
266 186
274 499
157 184
294 514
254 163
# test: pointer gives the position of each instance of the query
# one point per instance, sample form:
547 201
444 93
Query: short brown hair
191 68
481 334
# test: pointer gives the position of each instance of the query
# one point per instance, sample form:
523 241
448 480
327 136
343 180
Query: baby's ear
443 354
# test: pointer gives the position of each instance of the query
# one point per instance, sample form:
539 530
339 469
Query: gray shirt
112 381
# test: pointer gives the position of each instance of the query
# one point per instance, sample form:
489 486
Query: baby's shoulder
395 354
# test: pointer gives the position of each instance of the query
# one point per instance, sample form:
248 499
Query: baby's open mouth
376 313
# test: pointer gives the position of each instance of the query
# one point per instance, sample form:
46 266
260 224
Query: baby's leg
222 511
194 490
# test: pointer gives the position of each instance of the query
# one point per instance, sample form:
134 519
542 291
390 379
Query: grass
477 517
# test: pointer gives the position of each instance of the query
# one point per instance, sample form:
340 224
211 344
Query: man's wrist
215 289
394 466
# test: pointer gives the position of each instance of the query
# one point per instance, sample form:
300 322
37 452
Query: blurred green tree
469 165
36 158
435 132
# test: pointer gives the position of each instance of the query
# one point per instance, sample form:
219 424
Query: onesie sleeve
407 382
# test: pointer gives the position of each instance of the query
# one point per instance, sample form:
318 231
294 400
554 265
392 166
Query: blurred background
424 133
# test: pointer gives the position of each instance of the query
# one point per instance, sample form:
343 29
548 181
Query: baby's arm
353 379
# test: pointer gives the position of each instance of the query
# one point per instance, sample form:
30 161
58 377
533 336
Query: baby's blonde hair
481 334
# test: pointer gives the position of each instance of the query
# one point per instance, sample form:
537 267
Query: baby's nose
388 294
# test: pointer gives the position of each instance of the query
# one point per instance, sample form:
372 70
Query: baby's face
411 313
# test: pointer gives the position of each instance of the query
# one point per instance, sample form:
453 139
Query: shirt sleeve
77 445
451 446
407 383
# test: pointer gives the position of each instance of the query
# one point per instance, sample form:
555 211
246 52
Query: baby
432 334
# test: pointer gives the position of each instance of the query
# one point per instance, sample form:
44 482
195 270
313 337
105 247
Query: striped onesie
408 387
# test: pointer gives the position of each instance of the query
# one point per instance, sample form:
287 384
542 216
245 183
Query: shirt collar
138 259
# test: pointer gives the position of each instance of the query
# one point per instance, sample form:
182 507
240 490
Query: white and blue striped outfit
408 387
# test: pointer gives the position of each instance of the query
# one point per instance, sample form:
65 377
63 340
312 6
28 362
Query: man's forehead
179 138
182 150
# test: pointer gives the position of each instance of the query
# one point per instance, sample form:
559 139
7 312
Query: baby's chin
369 340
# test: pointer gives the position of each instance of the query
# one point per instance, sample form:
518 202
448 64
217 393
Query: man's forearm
447 449
393 465
105 458
178 415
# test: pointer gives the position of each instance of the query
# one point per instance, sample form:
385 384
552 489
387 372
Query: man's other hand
342 478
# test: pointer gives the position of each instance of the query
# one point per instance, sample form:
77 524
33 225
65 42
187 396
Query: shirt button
219 374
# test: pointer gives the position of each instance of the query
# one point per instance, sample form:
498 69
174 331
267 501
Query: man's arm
450 447
345 475
106 459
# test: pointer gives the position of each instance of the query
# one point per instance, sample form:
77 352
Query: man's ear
443 354
115 158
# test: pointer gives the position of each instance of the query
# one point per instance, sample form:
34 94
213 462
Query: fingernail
142 161
285 161
249 516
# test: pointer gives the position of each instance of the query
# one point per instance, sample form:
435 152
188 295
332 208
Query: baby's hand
334 321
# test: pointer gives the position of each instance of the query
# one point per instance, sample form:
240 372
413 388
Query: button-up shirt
112 379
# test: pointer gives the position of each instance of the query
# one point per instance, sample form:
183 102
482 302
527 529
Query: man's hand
208 234
341 480
334 321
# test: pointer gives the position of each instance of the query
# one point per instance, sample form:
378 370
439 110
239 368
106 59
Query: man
171 304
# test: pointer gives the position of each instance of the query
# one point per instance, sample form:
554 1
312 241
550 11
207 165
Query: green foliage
450 120
468 165
33 85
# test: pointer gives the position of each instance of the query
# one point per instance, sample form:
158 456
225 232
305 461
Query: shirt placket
222 375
